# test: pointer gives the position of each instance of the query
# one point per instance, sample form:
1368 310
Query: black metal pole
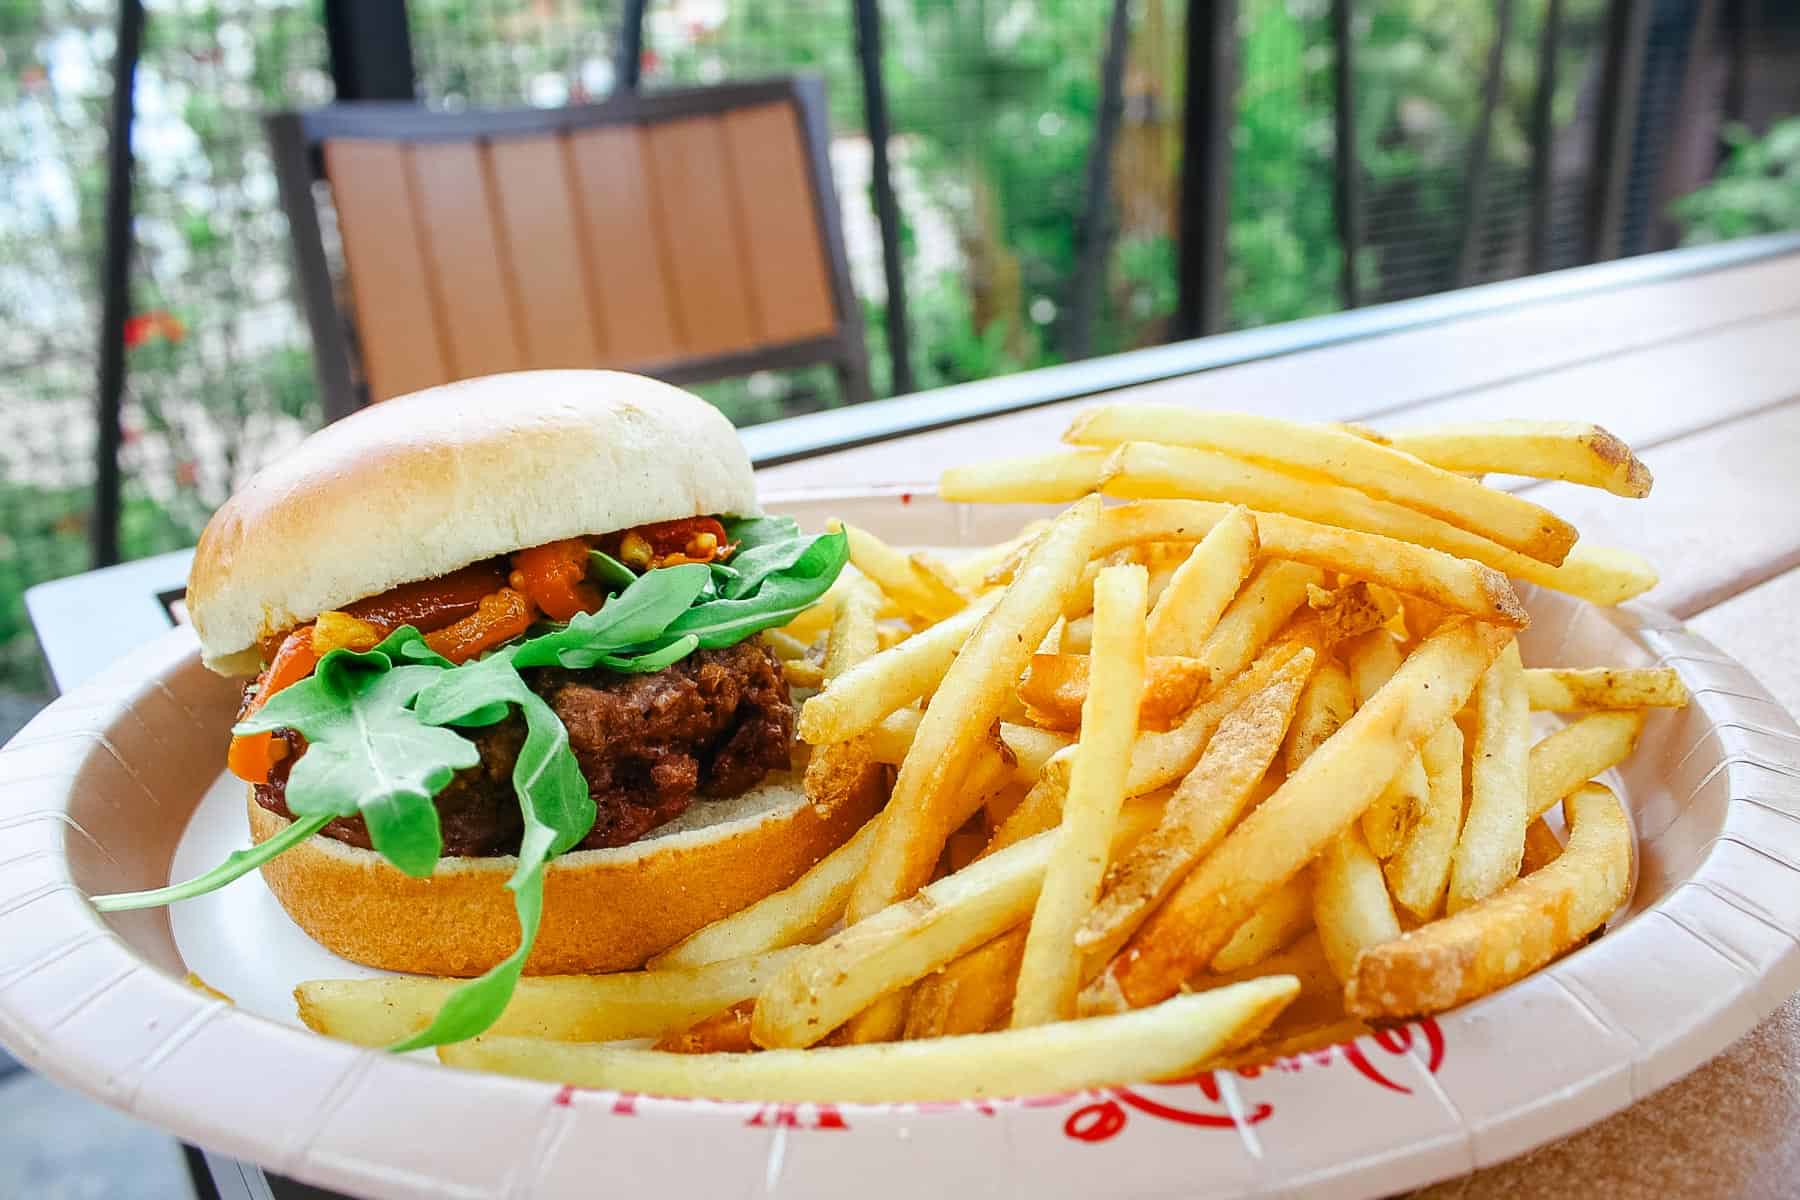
631 45
1206 166
1737 72
1543 139
1346 169
1678 170
1093 236
881 181
1476 176
371 49
115 287
1609 165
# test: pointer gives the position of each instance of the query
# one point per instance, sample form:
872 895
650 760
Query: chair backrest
690 235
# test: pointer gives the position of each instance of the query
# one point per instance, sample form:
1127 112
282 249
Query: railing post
1209 113
1346 169
1543 139
115 288
631 46
887 208
371 49
1476 175
1093 236
1609 165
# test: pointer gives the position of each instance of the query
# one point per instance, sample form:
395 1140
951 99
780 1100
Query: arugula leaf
237 864
612 573
781 595
553 795
368 752
635 617
765 546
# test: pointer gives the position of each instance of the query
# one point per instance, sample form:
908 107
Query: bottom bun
604 910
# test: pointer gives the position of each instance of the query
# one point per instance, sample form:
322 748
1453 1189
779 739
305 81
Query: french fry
1351 908
1304 959
1419 872
786 647
1267 600
1168 1041
1077 636
833 981
1568 689
800 912
1373 659
1576 753
725 1032
1162 758
827 984
1049 973
1585 454
891 680
1203 585
853 638
1285 832
1203 809
916 820
1457 583
1314 450
1602 575
1493 832
914 589
803 674
1320 1002
1284 915
972 994
1328 701
1509 934
1055 478
1541 847
1348 908
1056 686
590 1008
1031 747
970 570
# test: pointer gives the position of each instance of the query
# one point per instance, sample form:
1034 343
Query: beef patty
713 724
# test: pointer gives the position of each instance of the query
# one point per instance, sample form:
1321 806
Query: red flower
158 323
186 473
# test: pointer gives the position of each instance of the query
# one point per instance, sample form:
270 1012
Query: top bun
420 485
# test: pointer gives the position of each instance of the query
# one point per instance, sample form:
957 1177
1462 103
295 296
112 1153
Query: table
1692 356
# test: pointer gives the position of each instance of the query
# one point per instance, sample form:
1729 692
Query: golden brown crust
604 910
1630 476
418 486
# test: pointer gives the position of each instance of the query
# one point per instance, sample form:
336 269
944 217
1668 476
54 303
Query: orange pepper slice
253 756
502 616
554 575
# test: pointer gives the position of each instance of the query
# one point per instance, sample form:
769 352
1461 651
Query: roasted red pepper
670 543
554 575
501 616
254 755
431 603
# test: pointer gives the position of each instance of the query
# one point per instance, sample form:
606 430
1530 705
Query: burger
509 708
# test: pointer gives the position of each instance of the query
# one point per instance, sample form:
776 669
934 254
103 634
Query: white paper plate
97 793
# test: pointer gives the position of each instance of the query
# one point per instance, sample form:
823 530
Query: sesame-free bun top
420 485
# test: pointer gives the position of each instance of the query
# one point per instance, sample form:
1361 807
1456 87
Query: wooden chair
690 235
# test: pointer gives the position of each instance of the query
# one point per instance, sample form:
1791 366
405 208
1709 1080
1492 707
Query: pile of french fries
1241 765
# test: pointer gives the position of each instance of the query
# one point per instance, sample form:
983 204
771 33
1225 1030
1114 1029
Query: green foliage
1758 191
